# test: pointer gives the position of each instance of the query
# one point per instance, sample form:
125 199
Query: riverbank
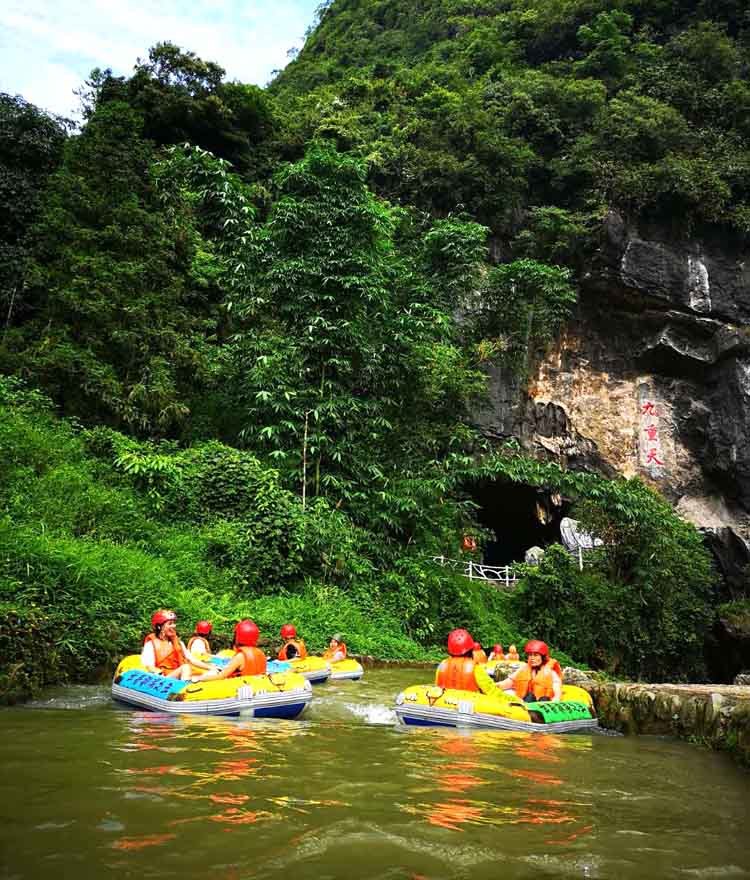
713 714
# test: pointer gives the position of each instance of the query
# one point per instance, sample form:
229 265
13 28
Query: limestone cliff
651 378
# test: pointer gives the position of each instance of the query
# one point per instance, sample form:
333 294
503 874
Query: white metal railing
498 574
507 574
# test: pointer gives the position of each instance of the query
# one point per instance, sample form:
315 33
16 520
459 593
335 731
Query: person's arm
148 657
215 672
192 660
507 683
556 687
485 682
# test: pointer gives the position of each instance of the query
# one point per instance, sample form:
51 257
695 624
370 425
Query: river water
92 790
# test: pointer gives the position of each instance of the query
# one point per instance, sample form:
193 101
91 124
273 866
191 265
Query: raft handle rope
433 699
279 687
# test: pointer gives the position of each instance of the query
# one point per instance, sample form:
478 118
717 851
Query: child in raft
336 650
293 647
248 659
478 653
496 653
199 643
163 653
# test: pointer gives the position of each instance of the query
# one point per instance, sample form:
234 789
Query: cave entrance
519 517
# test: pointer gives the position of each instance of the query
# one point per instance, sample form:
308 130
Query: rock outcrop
652 377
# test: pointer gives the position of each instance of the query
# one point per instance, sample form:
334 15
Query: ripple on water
319 848
76 697
372 713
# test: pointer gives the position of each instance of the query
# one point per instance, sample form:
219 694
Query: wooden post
471 571
580 558
507 578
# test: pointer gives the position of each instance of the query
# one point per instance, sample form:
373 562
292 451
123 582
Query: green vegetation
521 105
97 530
264 318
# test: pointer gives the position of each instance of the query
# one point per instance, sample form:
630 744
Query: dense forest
245 330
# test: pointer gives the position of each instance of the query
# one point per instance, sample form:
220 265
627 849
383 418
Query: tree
31 146
346 374
521 307
120 286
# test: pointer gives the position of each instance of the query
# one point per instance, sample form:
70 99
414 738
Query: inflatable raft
274 695
433 706
345 670
315 669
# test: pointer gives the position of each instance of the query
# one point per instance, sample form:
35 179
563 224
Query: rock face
652 378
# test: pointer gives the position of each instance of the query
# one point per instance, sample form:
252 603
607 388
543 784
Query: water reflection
488 780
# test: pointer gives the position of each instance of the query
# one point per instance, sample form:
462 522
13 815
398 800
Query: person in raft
460 671
163 652
478 653
199 643
537 680
496 653
293 648
336 649
248 658
512 654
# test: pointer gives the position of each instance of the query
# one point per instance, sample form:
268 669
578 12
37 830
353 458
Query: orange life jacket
541 684
329 652
203 639
168 655
255 661
512 655
555 664
494 656
479 656
299 644
457 673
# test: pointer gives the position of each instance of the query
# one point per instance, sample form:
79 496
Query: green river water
93 790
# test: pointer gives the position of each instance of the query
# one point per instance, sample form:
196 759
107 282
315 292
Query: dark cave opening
519 517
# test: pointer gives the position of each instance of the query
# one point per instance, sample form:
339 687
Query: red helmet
288 631
497 649
476 646
203 628
459 642
246 633
536 647
163 615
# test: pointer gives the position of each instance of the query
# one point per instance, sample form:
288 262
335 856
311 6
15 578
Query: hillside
462 270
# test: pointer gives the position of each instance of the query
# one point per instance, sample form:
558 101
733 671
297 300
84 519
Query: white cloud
48 50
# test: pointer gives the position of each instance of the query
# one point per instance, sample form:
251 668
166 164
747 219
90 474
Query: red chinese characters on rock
649 441
652 457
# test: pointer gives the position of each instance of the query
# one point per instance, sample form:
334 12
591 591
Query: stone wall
717 715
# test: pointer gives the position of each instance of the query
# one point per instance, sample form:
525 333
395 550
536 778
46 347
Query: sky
49 47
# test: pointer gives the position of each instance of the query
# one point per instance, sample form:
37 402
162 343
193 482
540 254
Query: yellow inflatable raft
433 706
278 695
346 670
315 669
